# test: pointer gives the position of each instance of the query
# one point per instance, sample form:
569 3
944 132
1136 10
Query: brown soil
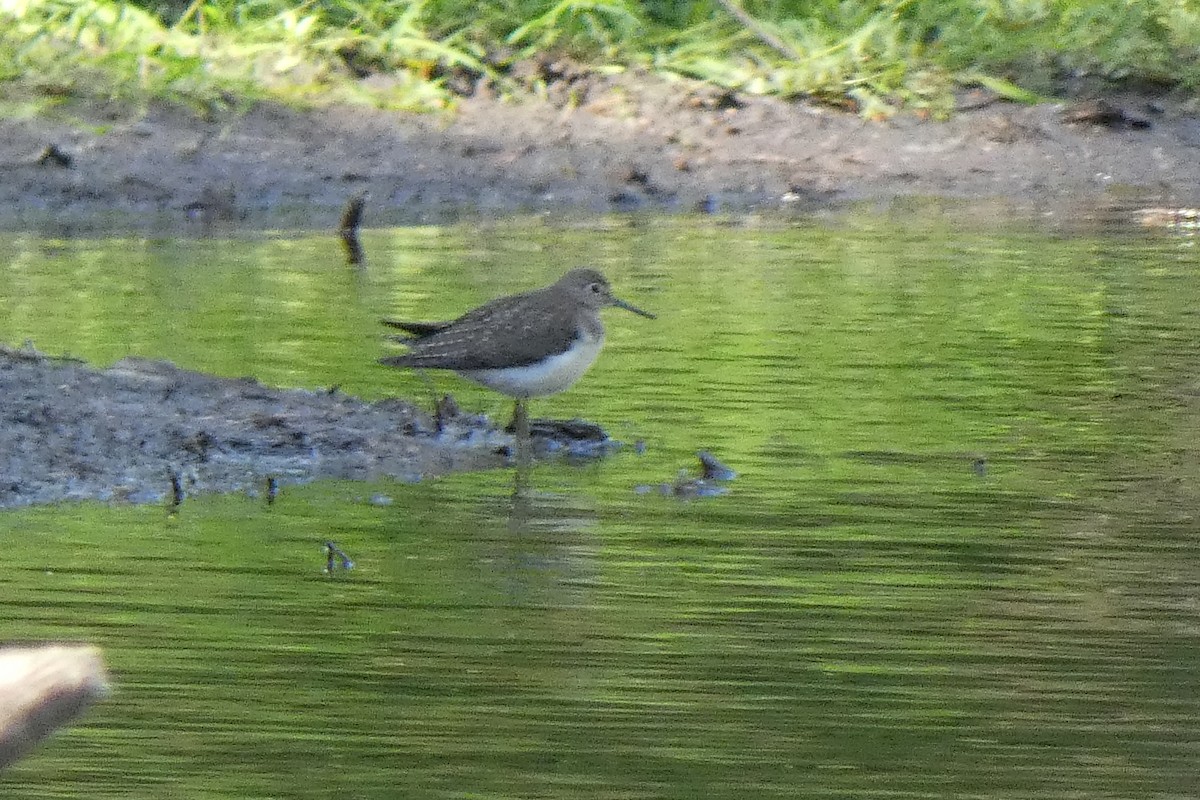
588 144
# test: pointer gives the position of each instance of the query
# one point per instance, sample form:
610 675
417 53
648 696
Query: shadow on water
957 560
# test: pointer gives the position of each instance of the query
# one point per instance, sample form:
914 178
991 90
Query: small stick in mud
334 555
176 488
348 227
444 411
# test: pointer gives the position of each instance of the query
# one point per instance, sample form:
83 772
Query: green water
960 559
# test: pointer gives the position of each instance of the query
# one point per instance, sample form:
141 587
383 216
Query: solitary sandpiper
524 345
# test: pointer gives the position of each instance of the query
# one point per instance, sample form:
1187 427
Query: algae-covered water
959 559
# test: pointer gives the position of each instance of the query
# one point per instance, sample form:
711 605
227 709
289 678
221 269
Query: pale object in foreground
43 688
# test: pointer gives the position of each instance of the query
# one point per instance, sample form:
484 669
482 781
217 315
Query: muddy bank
587 144
127 433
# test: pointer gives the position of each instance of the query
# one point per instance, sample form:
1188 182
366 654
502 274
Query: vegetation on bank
421 54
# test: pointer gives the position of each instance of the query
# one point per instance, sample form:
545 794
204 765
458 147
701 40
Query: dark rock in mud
1104 114
712 482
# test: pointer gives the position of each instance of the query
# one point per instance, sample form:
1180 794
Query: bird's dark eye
595 287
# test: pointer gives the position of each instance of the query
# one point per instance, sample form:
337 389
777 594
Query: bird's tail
418 329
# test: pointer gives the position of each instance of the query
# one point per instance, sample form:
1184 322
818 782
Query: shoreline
625 143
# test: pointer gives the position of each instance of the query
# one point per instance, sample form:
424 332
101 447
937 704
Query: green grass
874 56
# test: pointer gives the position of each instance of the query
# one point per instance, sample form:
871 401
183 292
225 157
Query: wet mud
148 432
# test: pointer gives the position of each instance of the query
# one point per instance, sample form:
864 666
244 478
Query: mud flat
588 143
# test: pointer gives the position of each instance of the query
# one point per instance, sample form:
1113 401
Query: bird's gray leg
524 441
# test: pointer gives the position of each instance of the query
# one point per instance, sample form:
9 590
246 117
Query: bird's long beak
631 307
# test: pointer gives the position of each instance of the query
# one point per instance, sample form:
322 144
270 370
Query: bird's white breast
548 376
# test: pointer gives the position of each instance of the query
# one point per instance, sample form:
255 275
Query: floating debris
335 557
714 475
